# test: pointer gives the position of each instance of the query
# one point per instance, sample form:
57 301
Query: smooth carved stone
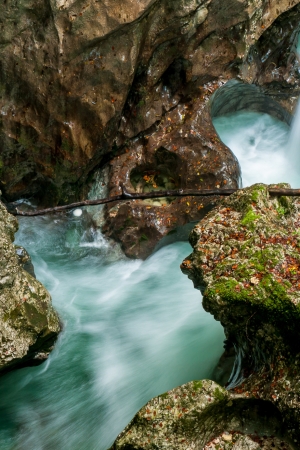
74 75
191 91
85 85
246 262
28 324
183 152
176 155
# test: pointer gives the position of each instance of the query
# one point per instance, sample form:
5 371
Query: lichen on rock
28 323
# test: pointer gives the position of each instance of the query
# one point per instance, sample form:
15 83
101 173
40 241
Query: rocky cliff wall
28 323
89 83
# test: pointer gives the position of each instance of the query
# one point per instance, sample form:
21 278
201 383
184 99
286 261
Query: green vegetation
256 193
249 218
197 385
219 395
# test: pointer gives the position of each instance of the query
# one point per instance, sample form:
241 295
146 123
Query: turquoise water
132 330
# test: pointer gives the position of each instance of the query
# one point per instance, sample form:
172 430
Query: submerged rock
28 323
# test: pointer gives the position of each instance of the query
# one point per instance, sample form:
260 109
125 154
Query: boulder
93 83
202 415
28 323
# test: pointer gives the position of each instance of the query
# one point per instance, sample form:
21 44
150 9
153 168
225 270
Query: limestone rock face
176 155
169 420
28 323
246 262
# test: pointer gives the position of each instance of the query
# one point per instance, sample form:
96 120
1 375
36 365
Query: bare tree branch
148 195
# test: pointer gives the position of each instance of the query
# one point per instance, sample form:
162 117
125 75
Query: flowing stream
132 329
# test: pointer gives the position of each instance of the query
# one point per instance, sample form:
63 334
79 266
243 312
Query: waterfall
261 142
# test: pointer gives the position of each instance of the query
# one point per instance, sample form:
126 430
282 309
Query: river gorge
132 329
149 95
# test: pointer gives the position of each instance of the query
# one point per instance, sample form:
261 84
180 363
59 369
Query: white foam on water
261 144
77 212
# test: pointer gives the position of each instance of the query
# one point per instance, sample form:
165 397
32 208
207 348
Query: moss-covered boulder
246 262
201 413
168 421
28 323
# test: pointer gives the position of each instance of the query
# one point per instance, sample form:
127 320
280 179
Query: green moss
256 193
197 385
268 295
249 218
219 395
164 395
281 210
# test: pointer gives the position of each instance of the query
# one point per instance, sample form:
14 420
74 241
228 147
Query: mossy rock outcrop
28 323
246 262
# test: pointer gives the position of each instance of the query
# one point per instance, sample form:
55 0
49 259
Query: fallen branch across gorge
125 195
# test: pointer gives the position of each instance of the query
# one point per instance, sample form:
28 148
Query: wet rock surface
28 324
186 92
90 83
183 152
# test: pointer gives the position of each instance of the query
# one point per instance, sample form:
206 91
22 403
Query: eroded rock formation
28 324
87 83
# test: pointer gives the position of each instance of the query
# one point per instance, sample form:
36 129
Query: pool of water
132 330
